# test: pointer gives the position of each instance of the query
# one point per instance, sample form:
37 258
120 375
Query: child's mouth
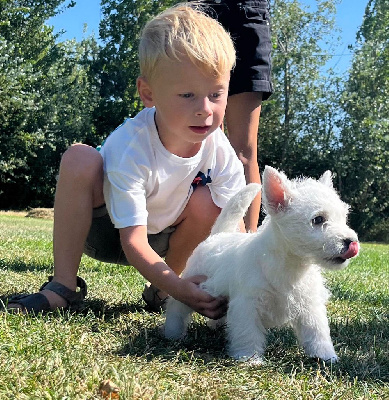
200 129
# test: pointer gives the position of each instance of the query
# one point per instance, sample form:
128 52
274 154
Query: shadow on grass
362 349
18 265
362 345
109 312
99 308
202 345
89 264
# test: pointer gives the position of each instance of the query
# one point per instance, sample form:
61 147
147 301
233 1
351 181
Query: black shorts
248 23
103 241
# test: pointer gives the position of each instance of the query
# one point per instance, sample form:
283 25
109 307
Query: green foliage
314 122
365 129
117 66
55 93
46 101
297 132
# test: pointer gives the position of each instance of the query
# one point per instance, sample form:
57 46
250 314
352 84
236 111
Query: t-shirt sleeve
228 176
126 173
125 198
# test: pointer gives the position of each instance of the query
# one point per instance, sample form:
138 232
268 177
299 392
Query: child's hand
200 301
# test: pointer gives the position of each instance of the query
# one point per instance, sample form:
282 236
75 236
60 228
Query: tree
117 65
23 49
65 115
45 94
364 155
297 129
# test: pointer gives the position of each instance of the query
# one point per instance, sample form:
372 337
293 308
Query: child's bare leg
79 189
192 227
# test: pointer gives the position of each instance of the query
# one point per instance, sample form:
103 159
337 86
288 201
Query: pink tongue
352 251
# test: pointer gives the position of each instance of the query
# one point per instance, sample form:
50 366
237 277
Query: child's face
189 105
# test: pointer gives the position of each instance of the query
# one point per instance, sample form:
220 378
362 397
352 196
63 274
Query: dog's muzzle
350 250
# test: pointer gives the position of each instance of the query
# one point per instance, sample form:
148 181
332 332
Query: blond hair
186 31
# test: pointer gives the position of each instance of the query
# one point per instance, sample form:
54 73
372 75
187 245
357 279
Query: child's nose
204 107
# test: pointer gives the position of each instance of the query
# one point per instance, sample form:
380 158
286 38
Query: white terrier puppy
272 277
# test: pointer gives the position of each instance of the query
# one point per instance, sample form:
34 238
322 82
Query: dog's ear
326 179
276 190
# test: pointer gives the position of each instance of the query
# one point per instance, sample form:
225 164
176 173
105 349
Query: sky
348 19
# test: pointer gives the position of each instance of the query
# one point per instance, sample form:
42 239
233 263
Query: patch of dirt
44 213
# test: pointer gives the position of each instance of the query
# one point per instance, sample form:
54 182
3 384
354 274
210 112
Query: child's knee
202 206
82 162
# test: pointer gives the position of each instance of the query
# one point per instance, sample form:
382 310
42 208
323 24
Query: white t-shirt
145 184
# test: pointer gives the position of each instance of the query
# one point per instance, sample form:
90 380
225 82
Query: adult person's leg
248 22
242 117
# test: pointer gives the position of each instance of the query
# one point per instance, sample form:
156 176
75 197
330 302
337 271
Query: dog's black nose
346 243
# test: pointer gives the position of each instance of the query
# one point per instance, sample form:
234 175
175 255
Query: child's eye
215 95
186 95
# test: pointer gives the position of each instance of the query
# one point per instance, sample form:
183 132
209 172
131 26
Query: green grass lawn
65 355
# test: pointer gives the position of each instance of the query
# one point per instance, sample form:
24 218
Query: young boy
162 176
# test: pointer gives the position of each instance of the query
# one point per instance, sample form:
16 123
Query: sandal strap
69 295
35 302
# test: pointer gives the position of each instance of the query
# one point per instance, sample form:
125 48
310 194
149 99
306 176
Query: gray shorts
103 241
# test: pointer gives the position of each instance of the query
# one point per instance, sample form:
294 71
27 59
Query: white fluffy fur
272 277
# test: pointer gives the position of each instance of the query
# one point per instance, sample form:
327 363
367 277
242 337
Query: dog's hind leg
178 316
246 334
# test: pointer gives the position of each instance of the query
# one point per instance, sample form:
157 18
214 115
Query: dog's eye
318 220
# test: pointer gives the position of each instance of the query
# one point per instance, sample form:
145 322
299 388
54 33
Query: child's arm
154 269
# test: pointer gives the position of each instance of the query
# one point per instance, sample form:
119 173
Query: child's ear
145 92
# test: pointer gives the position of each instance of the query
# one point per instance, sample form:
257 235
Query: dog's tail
235 209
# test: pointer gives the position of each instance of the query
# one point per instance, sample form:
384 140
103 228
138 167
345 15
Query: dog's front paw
251 359
178 316
325 352
331 360
317 345
174 329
